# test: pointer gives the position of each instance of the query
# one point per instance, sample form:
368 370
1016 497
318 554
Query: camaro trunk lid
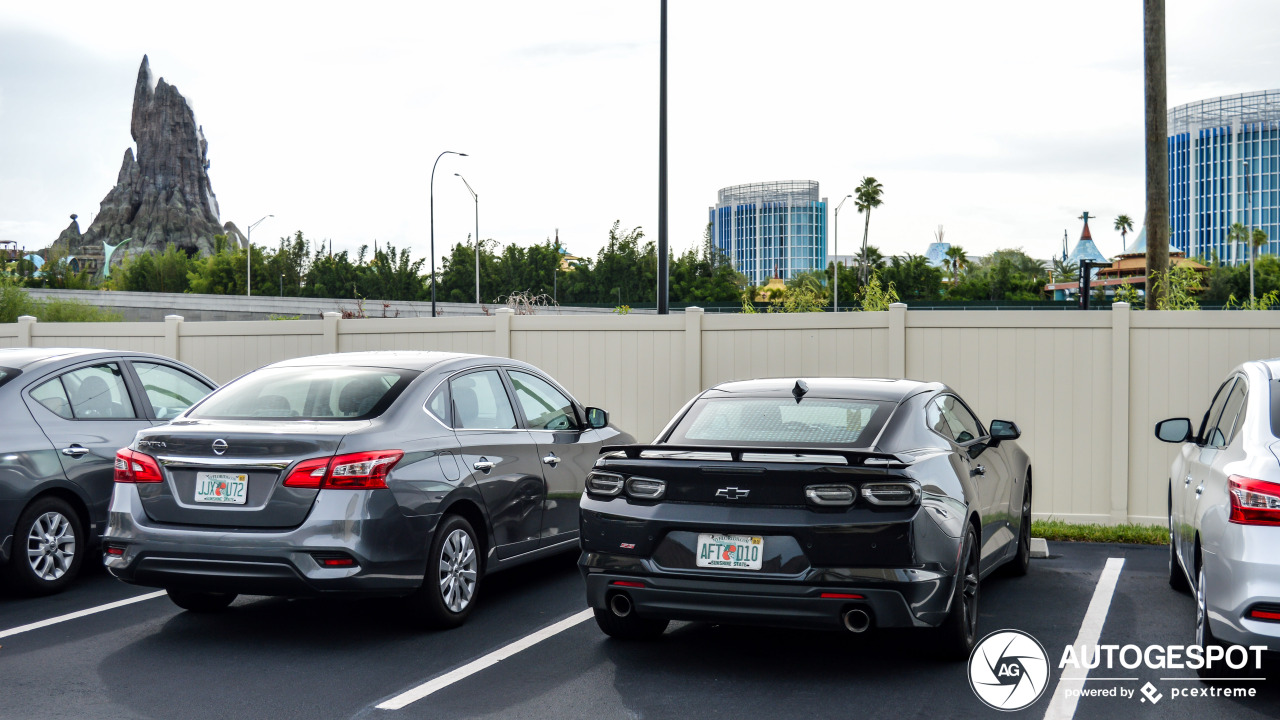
231 473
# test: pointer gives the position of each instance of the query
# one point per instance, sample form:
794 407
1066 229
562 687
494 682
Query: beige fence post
331 331
1120 412
172 333
502 332
692 351
898 340
24 330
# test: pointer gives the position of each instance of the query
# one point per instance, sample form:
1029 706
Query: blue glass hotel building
771 229
1209 143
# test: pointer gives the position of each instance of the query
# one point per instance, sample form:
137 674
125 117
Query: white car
1224 509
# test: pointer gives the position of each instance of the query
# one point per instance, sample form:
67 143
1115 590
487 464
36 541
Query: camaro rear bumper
388 549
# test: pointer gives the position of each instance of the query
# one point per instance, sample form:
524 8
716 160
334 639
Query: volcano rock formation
161 197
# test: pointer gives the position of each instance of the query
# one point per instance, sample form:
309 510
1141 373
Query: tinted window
963 425
307 393
780 421
1231 412
98 392
7 374
1209 426
51 395
480 401
169 390
545 408
937 423
439 405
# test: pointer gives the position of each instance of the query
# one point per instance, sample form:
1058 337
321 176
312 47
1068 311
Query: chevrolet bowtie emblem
732 493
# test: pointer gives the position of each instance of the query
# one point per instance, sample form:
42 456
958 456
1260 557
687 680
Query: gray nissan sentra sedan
398 473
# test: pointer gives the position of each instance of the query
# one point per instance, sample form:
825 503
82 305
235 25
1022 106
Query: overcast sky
1001 121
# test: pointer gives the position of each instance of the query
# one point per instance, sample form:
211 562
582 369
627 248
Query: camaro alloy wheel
452 581
52 549
960 630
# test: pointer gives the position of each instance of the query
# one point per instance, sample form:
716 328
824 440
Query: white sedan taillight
1254 502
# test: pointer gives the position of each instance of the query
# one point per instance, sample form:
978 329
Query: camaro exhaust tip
620 604
856 621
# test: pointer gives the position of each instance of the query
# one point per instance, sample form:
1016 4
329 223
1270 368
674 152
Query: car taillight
603 483
1253 502
893 493
646 488
308 473
135 467
362 471
830 495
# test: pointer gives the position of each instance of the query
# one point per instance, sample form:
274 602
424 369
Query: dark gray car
66 413
399 473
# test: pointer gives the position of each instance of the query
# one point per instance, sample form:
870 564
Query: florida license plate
734 552
222 488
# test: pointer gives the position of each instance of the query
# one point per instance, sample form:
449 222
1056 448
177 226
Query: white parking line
1062 705
80 614
411 696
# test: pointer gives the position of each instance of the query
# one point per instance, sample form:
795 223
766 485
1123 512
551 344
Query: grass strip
1063 531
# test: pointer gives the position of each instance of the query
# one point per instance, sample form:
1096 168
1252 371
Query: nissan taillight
135 467
353 471
1253 502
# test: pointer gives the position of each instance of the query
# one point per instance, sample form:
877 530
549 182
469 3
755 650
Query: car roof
27 358
830 387
398 359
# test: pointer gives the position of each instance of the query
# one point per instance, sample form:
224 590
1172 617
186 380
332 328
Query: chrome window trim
477 368
178 461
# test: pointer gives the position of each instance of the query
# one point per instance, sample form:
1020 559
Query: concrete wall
152 307
1085 387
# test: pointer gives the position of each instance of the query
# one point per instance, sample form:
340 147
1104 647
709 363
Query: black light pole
475 197
663 246
433 225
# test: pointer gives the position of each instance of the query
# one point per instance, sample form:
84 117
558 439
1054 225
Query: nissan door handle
551 459
1188 481
75 451
978 470
483 465
1199 489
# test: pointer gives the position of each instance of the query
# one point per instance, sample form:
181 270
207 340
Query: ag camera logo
1008 670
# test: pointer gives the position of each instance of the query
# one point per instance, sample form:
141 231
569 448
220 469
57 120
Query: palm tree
867 196
1156 116
1124 225
958 261
1238 234
1064 271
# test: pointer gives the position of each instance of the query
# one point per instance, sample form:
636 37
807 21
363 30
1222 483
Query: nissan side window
480 402
170 391
1228 423
53 396
545 408
98 392
438 405
1209 426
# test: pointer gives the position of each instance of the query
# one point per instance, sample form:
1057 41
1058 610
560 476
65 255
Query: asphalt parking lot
341 659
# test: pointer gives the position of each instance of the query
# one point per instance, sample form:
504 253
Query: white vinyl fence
1085 387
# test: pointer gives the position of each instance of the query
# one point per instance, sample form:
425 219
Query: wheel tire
200 602
1177 578
1204 633
452 581
1022 560
51 529
630 627
958 633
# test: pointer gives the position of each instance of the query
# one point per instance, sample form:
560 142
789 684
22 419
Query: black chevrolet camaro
821 503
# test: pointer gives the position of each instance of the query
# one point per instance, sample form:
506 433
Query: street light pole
248 258
281 284
1248 238
663 244
475 197
835 295
432 194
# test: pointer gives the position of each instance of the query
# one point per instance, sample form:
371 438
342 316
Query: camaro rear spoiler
853 458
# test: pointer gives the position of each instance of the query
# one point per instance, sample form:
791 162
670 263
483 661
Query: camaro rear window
306 393
817 422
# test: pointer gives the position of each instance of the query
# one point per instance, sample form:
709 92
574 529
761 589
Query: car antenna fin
799 390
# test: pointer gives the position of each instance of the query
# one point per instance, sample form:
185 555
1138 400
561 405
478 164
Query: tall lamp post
663 244
432 194
248 258
835 295
1248 213
475 197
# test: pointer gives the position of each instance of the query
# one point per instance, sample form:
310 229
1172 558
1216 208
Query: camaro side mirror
597 418
1174 430
1005 430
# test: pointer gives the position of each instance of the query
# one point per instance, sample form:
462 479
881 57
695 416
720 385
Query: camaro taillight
353 471
603 483
830 495
1253 502
135 467
645 488
894 493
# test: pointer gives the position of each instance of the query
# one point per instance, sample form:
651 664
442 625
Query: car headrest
360 395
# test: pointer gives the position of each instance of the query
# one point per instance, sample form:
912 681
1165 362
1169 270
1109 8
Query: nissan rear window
781 421
306 393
